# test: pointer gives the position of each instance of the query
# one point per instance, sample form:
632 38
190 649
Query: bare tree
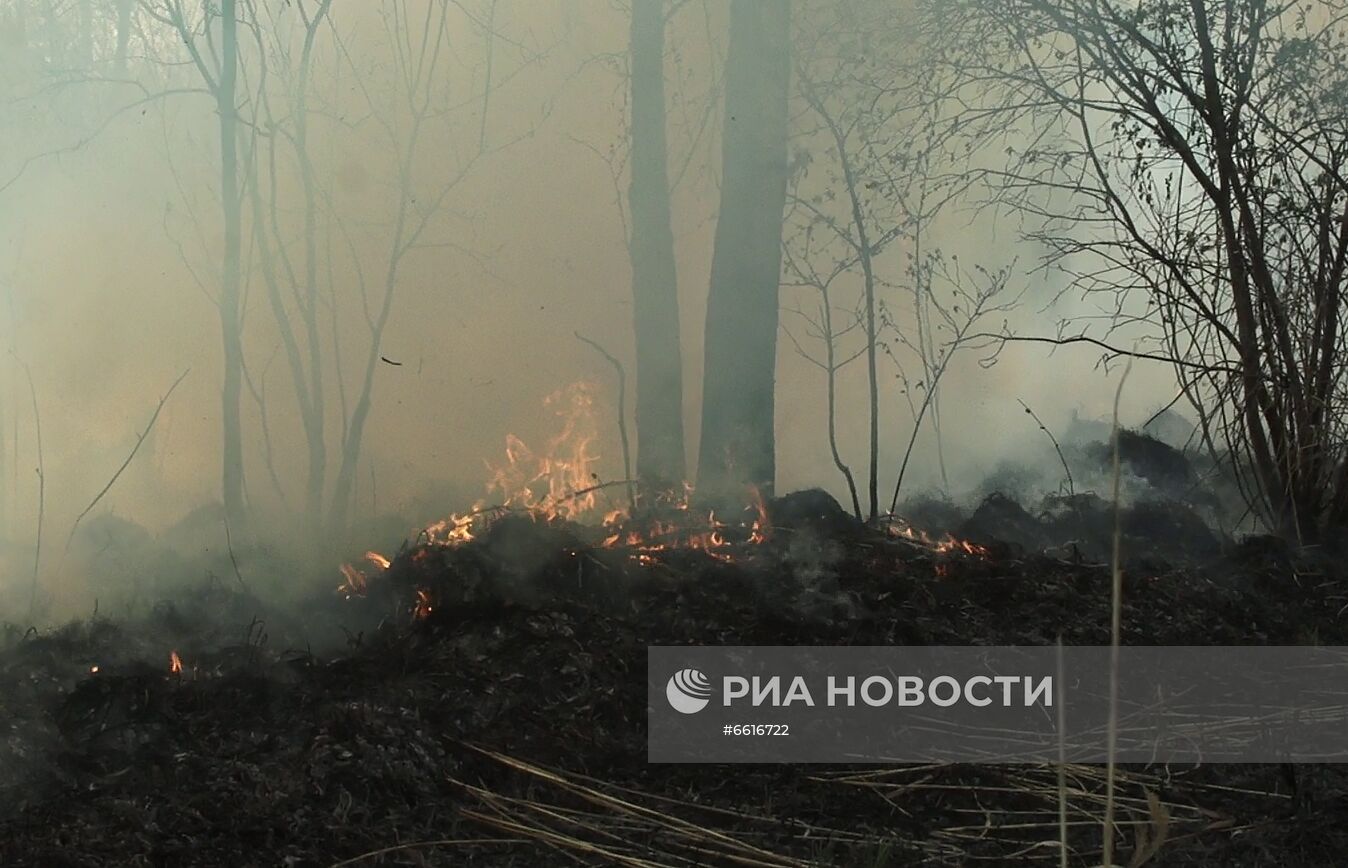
1185 166
210 34
870 176
280 266
424 105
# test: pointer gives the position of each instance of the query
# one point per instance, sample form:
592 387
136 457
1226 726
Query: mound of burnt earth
1082 526
1001 519
492 711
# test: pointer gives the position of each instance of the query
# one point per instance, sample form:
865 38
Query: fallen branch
622 415
229 547
1071 488
134 449
41 494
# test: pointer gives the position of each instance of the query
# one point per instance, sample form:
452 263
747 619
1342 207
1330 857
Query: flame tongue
683 528
558 482
901 529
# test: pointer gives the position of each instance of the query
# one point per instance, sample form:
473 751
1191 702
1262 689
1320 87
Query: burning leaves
559 483
423 607
555 483
898 528
354 583
647 538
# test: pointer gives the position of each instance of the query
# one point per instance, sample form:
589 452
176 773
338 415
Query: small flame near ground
423 607
559 482
899 528
175 663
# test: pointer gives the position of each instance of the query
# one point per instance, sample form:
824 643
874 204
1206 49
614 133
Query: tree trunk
4 477
659 405
230 327
123 35
346 473
737 445
316 416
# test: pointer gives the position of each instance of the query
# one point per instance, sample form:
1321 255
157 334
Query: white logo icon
688 691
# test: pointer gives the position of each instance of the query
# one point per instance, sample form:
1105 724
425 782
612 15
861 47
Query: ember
354 583
423 607
899 528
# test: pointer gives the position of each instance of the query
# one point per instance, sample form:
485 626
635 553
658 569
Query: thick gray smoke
509 162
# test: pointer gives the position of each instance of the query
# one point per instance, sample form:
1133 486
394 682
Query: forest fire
354 583
559 483
712 535
899 528
559 338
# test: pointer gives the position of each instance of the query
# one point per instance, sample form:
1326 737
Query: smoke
109 268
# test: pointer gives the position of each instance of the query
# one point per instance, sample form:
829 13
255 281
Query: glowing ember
354 583
377 559
175 663
93 670
455 530
901 529
762 528
423 607
950 544
718 538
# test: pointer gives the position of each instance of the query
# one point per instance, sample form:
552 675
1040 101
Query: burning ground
484 699
489 704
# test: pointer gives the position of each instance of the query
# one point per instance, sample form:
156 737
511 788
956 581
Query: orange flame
175 663
455 530
762 528
559 481
717 538
897 527
354 583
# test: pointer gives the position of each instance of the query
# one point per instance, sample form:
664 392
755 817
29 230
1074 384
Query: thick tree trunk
659 410
230 327
737 445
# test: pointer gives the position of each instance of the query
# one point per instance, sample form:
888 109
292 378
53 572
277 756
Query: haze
112 238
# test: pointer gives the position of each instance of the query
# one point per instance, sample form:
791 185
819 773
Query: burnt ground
488 707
